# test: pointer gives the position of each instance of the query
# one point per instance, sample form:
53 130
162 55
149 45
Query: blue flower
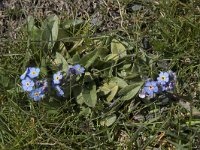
151 87
163 78
59 90
22 77
27 84
77 69
33 72
57 77
37 94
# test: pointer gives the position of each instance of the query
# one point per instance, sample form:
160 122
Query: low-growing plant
75 87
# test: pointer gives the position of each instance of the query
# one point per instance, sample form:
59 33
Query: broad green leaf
30 23
111 57
50 33
80 99
55 26
118 48
105 88
85 111
119 81
112 94
126 66
109 89
64 50
131 76
130 91
76 45
75 59
69 23
90 58
89 94
33 32
60 60
109 120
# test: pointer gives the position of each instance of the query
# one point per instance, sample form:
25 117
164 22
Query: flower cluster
165 82
37 88
30 84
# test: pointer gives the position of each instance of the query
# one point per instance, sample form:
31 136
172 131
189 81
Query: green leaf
110 88
50 33
109 120
85 111
111 57
77 44
80 99
30 23
112 94
105 88
89 94
118 48
90 58
119 81
33 32
75 59
60 60
69 23
130 91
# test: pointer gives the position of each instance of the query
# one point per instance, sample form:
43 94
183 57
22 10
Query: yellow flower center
57 78
36 94
27 83
33 72
150 87
163 77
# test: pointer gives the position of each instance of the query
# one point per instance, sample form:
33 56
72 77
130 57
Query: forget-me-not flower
27 84
79 69
33 72
57 77
37 94
151 87
163 78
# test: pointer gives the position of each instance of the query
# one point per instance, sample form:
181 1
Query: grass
170 31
